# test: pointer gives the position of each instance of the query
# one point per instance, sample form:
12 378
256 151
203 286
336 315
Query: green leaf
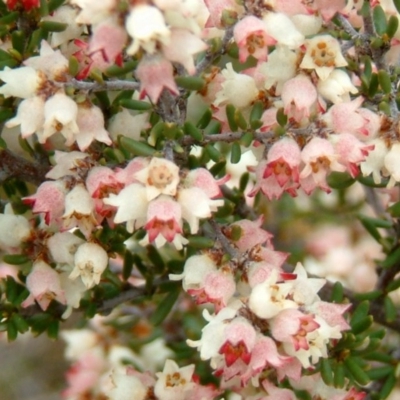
281 117
155 258
256 111
373 85
9 18
339 377
214 154
190 82
204 119
374 294
384 81
379 18
230 116
52 329
360 312
326 371
397 5
213 127
12 331
128 265
164 307
393 285
200 242
356 371
18 41
236 153
132 104
337 293
390 309
52 26
15 259
21 325
393 24
190 129
362 325
370 227
246 139
115 71
136 148
339 180
54 4
392 259
388 386
379 372
240 120
394 210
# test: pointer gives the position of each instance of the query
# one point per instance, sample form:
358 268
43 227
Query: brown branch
14 166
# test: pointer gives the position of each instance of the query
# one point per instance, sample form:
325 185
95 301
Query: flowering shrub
211 185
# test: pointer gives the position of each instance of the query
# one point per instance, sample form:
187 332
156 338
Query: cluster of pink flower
265 318
258 309
99 368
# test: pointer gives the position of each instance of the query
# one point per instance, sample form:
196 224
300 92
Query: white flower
62 247
337 87
237 89
267 299
90 262
283 30
19 82
51 62
66 164
60 113
375 160
30 115
323 54
146 25
174 382
79 210
132 206
392 165
280 67
14 229
126 124
159 177
126 387
204 206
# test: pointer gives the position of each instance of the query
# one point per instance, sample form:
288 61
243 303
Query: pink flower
164 223
351 152
90 121
319 158
50 200
293 326
155 74
298 96
251 234
282 163
43 283
348 117
182 47
251 36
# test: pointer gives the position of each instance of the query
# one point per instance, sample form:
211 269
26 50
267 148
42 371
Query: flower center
322 55
175 380
253 42
160 176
